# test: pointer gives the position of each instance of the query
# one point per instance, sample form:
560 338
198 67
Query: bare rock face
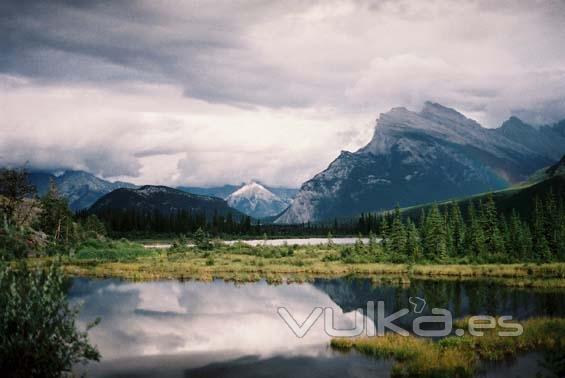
418 157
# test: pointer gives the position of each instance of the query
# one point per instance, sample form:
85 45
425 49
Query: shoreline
525 275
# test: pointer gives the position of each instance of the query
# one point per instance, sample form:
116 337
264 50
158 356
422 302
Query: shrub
14 244
38 334
201 240
180 244
121 250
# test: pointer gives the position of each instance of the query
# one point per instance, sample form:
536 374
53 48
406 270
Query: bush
120 250
180 244
38 334
201 240
17 244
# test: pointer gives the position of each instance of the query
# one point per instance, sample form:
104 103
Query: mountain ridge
162 199
80 188
418 157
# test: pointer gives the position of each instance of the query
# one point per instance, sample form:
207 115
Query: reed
456 356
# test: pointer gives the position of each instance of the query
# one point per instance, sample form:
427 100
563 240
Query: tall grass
459 356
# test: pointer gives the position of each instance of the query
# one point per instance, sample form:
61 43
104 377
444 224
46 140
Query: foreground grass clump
415 357
461 356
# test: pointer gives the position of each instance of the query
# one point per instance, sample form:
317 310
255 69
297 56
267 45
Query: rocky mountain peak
442 114
256 200
434 120
515 123
430 155
253 189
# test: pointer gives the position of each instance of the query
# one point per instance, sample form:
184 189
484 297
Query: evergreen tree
385 234
373 246
413 248
474 237
551 220
457 227
515 244
434 244
397 235
494 242
540 244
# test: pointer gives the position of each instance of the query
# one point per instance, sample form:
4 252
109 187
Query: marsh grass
124 259
459 356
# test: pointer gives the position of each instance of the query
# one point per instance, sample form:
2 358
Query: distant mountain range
83 189
419 157
254 198
80 188
163 200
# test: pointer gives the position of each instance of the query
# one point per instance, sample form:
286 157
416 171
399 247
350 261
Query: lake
222 329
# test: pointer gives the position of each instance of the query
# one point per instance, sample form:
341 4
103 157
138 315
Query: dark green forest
478 233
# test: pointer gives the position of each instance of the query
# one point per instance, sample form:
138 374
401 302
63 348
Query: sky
222 92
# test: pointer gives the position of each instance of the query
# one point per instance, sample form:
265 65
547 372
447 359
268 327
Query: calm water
220 329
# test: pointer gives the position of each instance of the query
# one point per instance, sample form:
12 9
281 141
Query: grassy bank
241 262
462 356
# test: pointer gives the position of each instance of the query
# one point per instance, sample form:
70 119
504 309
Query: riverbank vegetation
462 356
480 242
210 259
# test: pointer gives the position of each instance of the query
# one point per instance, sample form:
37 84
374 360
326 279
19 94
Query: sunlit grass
458 356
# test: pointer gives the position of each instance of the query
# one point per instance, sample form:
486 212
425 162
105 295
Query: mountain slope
80 188
414 158
257 201
161 199
519 198
286 194
218 191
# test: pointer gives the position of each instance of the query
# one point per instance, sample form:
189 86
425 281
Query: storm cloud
213 92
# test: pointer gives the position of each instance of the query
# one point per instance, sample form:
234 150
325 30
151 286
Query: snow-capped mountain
256 200
418 157
80 188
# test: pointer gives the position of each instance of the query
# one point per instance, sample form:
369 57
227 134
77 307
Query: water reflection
462 298
170 328
185 317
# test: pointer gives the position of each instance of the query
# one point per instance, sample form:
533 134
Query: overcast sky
215 92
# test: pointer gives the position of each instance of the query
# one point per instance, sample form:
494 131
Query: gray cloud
164 90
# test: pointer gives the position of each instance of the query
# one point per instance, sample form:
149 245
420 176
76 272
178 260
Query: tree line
128 222
483 235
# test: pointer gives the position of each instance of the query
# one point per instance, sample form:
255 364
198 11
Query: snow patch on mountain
256 200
